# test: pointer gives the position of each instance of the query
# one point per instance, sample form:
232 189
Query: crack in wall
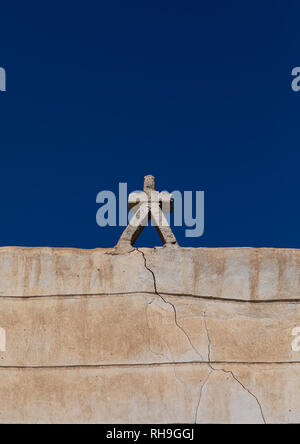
168 303
136 292
201 390
247 390
208 339
229 372
144 364
200 395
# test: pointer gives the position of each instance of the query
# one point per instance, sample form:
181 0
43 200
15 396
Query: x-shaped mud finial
146 205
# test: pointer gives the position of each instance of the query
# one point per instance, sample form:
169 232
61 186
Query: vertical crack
200 395
168 303
208 339
229 371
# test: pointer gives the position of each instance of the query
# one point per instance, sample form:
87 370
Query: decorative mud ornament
148 205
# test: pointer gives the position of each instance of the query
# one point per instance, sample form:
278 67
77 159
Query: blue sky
196 93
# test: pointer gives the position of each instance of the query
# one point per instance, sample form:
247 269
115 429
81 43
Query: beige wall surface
163 335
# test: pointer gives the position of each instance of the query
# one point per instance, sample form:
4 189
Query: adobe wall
163 335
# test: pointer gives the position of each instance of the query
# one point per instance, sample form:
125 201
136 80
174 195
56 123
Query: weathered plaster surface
153 335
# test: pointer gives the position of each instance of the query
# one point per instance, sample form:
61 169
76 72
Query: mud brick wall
163 335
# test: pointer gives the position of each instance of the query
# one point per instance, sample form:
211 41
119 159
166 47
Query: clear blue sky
196 93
